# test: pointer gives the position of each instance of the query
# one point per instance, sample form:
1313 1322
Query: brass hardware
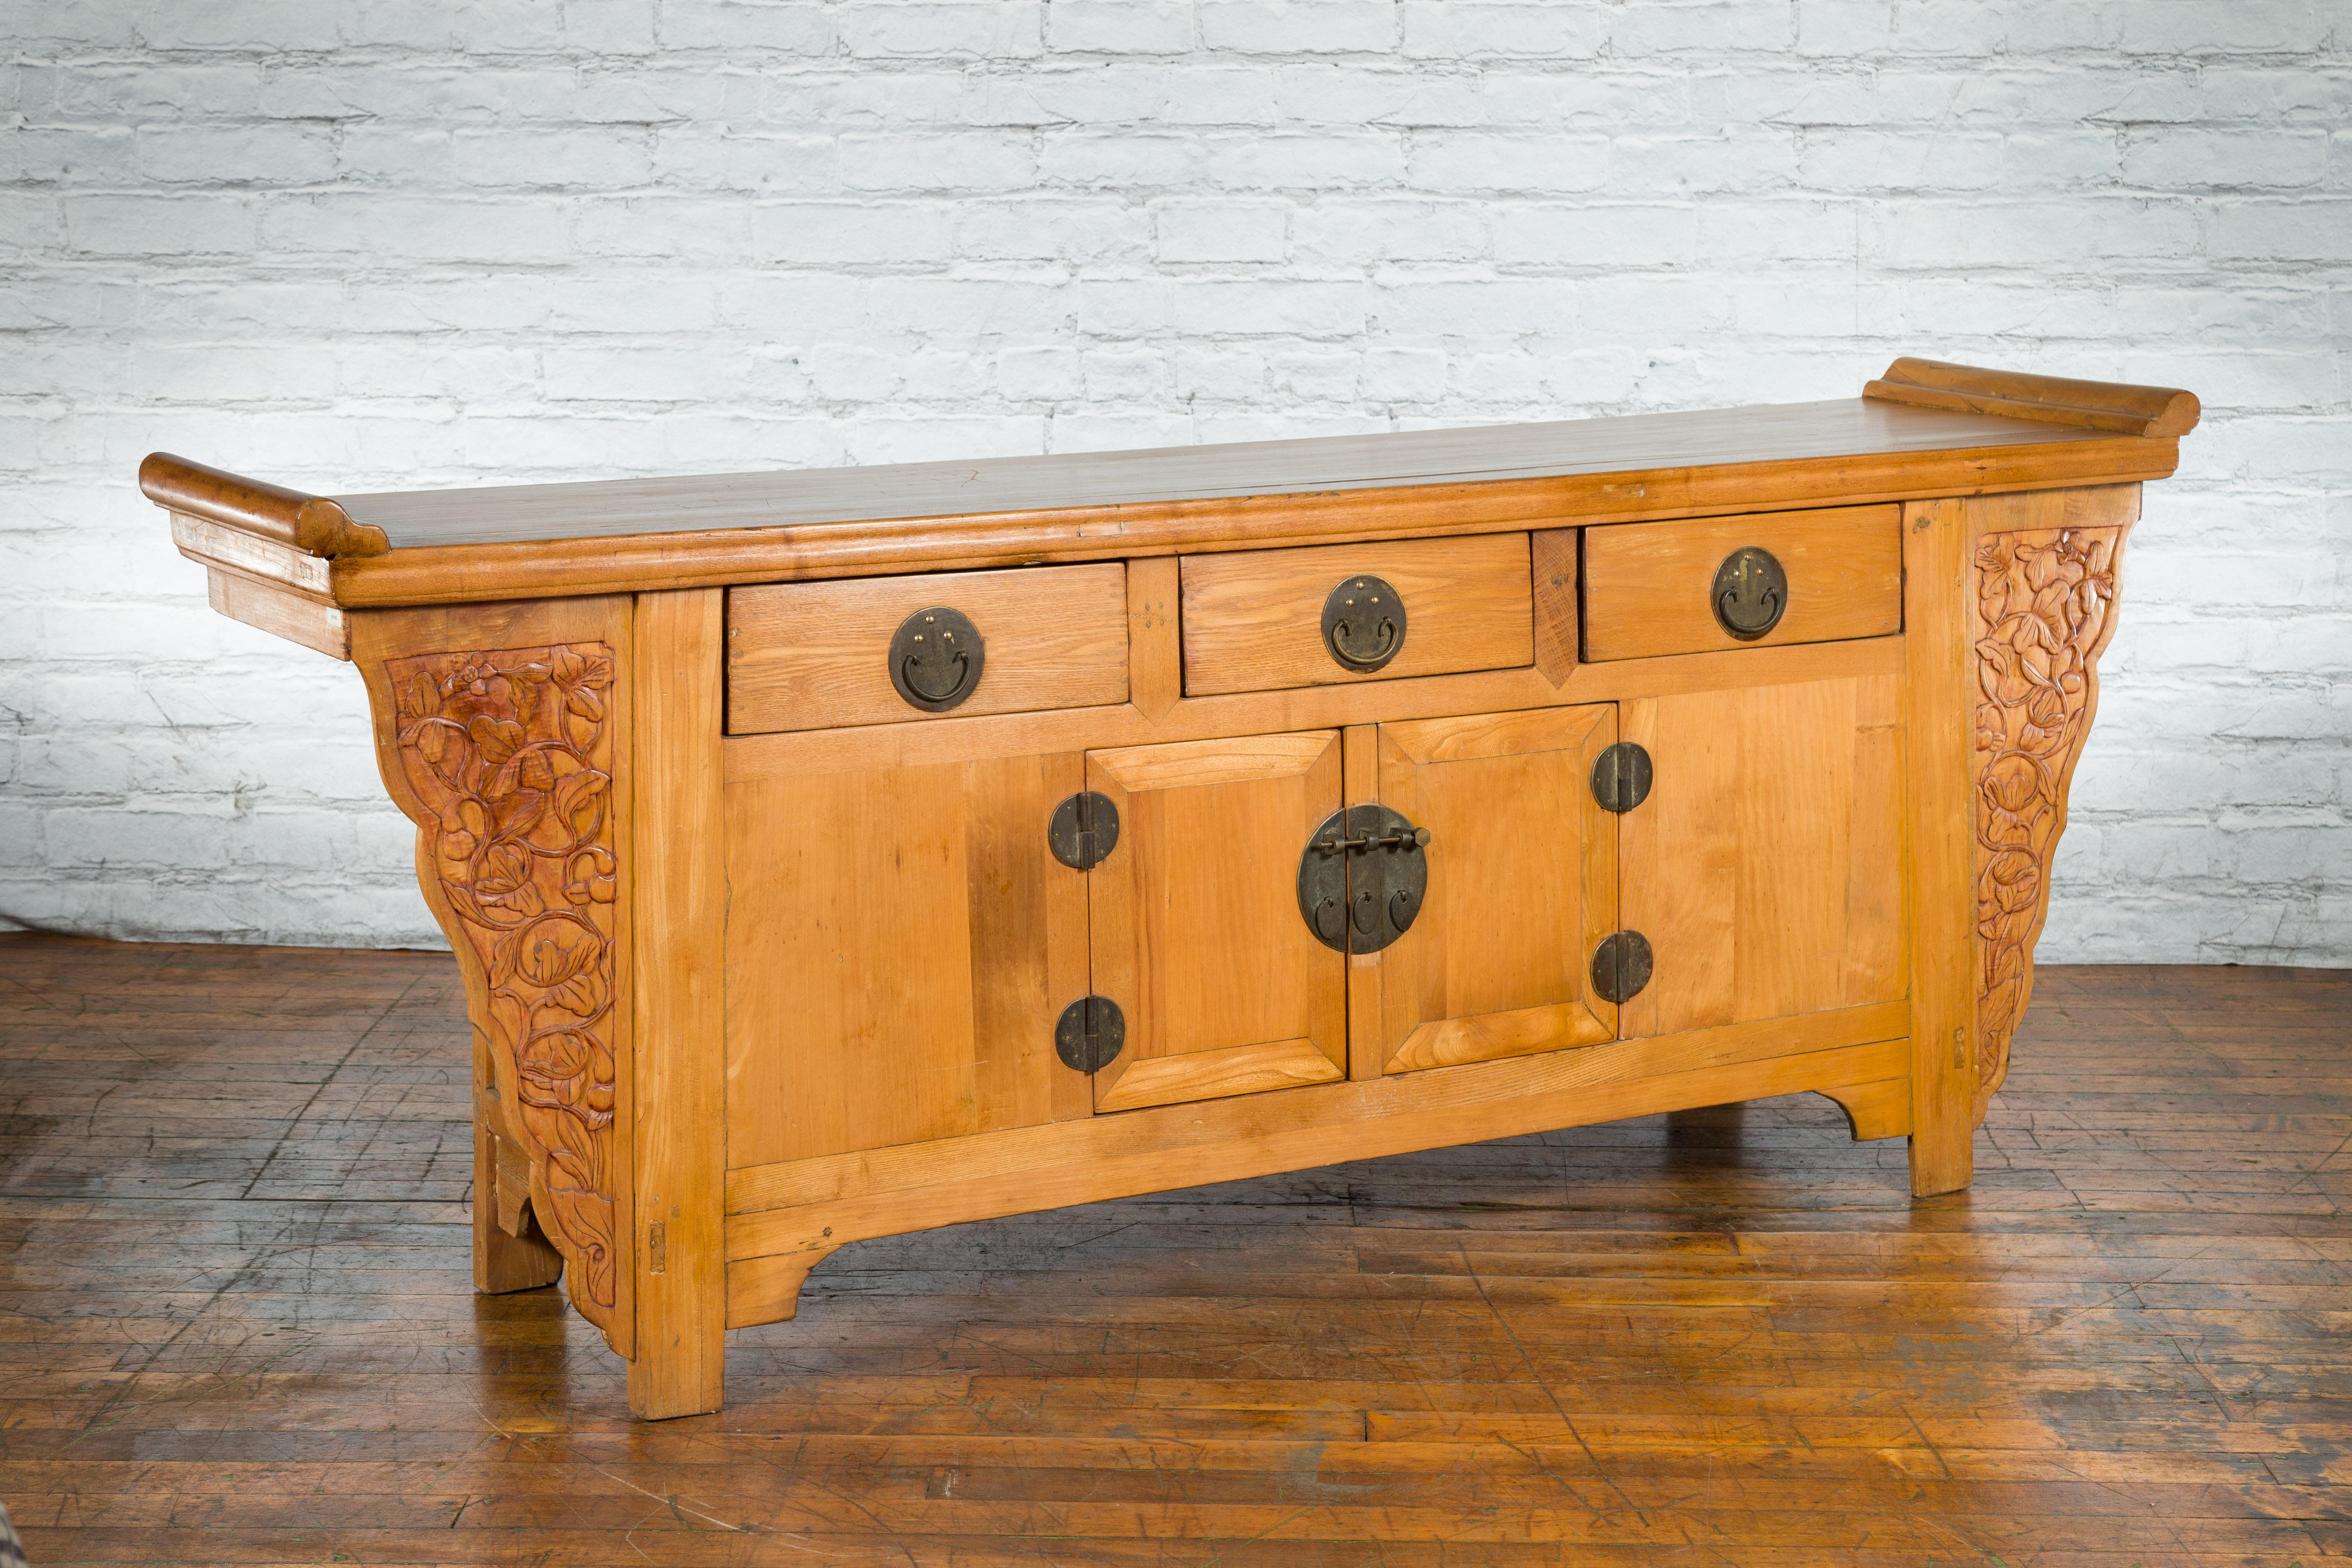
1750 593
1083 830
1362 878
935 659
1621 967
1621 777
1090 1034
1960 1050
1363 623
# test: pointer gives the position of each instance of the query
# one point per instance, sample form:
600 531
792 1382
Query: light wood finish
510 1251
1875 1110
1766 866
2096 507
1522 887
2056 400
786 1208
1553 568
1654 453
1753 1336
2044 571
1313 707
740 1000
460 700
1648 591
892 942
314 526
267 607
1254 619
1194 923
225 547
811 656
1939 699
1155 650
431 575
768 1289
678 917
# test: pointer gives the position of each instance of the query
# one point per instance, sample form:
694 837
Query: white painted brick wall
357 244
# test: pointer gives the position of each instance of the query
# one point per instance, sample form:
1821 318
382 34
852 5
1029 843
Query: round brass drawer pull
1363 623
936 656
1751 592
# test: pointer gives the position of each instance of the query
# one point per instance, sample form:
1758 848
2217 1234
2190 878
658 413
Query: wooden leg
677 940
2009 600
1940 708
511 1252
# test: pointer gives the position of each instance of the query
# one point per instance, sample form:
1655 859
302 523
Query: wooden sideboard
843 853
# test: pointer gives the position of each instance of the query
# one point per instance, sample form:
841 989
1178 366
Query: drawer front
815 655
1651 588
1255 620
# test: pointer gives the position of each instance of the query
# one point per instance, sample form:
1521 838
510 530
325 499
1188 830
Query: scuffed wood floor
236 1327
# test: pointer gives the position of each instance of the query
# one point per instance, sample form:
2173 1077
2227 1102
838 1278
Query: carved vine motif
2044 609
510 753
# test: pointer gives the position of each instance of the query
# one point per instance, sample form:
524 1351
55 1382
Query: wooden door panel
1766 868
1194 922
1522 886
899 944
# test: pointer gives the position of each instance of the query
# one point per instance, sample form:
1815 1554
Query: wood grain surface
811 656
1814 433
1766 866
892 943
1648 590
1523 876
236 1325
1193 921
1253 618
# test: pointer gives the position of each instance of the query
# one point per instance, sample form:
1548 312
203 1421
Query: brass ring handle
1363 623
1750 593
909 676
937 657
1383 650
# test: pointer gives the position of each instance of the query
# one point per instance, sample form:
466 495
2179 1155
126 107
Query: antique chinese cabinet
836 854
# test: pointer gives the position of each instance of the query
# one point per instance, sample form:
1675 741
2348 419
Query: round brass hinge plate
1621 967
1090 1034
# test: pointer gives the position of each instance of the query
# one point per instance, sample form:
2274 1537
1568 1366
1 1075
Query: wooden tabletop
605 508
1925 429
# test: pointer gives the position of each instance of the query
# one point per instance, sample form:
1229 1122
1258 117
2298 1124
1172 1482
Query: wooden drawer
813 655
1648 588
1253 621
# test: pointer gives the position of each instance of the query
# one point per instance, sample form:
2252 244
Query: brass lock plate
936 656
1363 623
1362 878
1750 593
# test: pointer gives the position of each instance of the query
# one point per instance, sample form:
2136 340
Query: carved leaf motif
2044 602
510 754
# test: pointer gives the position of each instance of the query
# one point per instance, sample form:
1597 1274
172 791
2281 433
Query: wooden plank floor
236 1327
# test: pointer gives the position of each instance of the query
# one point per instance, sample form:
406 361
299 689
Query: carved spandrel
2044 609
510 754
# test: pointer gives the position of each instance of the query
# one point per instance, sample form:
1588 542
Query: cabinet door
1522 887
1766 868
899 941
1194 923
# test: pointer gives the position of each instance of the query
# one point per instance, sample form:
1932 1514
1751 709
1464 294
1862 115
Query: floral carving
2045 604
510 754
